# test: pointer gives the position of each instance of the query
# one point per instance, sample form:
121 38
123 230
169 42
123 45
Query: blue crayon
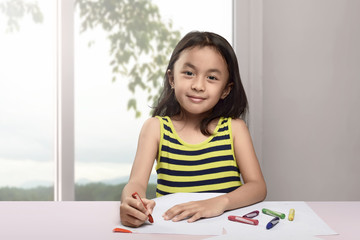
272 223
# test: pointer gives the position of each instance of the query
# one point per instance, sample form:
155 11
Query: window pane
27 79
115 89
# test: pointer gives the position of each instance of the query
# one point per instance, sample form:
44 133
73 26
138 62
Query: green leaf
131 104
138 114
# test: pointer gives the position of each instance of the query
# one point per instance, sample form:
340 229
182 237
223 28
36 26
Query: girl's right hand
133 213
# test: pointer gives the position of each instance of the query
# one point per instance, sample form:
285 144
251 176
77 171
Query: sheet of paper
306 222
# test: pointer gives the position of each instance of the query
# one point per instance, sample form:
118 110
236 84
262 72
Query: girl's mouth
196 99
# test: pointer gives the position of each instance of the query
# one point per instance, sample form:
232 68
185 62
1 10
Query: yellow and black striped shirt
209 166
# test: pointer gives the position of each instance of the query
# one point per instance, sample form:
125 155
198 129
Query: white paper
306 222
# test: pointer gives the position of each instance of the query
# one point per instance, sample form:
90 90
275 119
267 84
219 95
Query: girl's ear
227 90
170 77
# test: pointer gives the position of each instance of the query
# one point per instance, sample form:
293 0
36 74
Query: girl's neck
189 120
187 127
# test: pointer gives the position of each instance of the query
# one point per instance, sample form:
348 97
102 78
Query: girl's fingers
195 217
133 213
131 221
180 212
137 204
130 210
183 215
150 204
193 211
172 212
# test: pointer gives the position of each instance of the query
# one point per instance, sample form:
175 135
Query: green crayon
273 213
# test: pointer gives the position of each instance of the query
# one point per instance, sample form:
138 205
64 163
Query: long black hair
235 105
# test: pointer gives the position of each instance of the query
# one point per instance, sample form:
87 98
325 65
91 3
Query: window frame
64 183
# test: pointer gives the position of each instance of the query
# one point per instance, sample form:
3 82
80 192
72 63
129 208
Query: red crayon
137 196
121 230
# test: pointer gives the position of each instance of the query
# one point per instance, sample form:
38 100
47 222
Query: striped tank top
209 166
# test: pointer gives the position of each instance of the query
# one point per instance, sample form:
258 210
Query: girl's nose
198 84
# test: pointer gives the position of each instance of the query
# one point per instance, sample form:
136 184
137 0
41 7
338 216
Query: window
27 81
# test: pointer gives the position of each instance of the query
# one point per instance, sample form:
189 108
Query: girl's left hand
195 210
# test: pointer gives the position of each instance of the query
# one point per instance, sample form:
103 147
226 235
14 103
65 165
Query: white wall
304 85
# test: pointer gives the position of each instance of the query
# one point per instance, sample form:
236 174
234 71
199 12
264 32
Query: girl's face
200 79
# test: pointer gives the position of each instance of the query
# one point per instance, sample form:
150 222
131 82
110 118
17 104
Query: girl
197 137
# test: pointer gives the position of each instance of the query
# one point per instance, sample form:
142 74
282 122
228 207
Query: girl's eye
188 73
212 78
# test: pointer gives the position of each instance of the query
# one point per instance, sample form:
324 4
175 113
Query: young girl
197 137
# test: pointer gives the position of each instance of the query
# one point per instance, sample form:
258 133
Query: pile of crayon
249 218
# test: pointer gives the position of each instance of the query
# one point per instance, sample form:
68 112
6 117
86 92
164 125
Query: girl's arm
132 212
253 190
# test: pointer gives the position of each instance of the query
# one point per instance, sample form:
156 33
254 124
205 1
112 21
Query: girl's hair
235 105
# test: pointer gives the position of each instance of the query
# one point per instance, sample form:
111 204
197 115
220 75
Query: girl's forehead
208 54
196 49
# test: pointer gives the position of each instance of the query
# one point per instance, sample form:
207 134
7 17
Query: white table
95 220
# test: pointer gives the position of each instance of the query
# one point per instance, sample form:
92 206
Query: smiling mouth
196 99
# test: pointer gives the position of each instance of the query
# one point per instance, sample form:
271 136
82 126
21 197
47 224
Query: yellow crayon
291 214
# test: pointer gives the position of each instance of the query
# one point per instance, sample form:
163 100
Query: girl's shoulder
152 122
238 126
238 121
151 127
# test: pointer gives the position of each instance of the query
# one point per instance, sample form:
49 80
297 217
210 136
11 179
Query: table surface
95 220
